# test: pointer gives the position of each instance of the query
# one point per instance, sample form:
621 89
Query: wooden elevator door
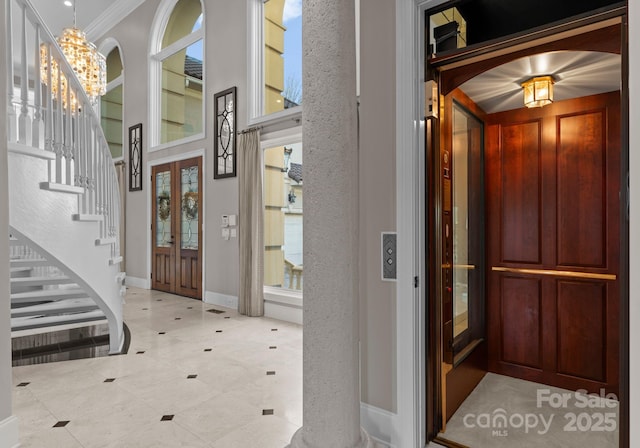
553 237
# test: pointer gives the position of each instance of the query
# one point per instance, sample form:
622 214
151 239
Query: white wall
8 428
377 200
634 168
225 66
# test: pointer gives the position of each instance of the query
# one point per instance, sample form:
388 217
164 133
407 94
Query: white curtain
250 220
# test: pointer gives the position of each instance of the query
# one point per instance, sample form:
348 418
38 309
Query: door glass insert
190 206
467 221
163 209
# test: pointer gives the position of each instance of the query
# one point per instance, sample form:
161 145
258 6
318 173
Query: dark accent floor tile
227 317
271 372
61 424
189 307
162 332
274 329
207 349
190 377
272 347
177 318
145 309
109 380
140 352
213 310
167 418
23 384
158 300
218 331
267 412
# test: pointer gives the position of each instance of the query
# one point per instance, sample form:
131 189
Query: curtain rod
244 131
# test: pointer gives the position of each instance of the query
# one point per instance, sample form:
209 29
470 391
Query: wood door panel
521 189
582 182
176 254
574 218
521 302
582 336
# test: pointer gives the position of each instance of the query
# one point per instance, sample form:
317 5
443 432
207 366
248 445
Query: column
331 391
8 423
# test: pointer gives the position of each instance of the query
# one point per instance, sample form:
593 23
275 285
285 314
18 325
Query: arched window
177 66
111 103
276 56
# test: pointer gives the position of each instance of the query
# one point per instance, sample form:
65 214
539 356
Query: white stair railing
62 127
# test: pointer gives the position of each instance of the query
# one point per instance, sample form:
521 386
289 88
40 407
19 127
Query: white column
8 423
331 391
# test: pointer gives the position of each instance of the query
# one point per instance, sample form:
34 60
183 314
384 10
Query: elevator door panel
552 243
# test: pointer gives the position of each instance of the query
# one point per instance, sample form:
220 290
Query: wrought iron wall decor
135 157
225 134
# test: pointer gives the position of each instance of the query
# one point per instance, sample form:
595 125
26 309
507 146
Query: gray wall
226 38
225 66
5 311
377 199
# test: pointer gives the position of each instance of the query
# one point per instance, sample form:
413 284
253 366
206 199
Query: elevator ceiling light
538 91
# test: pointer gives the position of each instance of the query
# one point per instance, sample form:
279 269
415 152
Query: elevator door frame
450 72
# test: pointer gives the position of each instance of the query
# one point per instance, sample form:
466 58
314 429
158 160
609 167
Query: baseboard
215 298
283 304
378 423
137 282
9 433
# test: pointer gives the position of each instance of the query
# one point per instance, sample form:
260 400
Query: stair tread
59 306
20 269
47 293
55 279
23 323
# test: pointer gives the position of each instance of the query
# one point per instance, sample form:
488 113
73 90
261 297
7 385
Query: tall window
277 51
178 107
111 104
283 198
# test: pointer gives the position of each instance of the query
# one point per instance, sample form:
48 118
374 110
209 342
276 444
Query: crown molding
110 18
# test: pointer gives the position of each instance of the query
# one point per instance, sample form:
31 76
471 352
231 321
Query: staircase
64 208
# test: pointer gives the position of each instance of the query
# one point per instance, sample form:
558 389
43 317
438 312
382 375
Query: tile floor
535 416
191 378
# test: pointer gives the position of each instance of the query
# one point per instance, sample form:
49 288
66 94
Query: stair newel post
57 145
49 114
68 115
11 113
37 93
91 167
23 121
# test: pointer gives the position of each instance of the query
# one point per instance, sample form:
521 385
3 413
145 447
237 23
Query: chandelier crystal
88 64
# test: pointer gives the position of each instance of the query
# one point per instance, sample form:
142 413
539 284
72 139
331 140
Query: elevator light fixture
89 65
538 91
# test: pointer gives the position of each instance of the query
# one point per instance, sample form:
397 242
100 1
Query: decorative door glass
163 209
190 206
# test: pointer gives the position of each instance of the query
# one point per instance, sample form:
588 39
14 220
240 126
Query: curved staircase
64 209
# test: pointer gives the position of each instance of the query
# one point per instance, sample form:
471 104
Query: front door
553 180
176 228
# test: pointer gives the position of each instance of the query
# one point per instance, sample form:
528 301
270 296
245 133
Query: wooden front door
552 197
176 228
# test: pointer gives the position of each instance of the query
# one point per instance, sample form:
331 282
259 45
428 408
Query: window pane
114 65
185 18
283 263
163 209
282 55
111 115
190 205
182 94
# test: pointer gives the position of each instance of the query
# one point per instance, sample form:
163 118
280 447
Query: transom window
111 104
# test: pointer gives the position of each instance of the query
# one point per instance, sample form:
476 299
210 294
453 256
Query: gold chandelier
89 65
538 91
